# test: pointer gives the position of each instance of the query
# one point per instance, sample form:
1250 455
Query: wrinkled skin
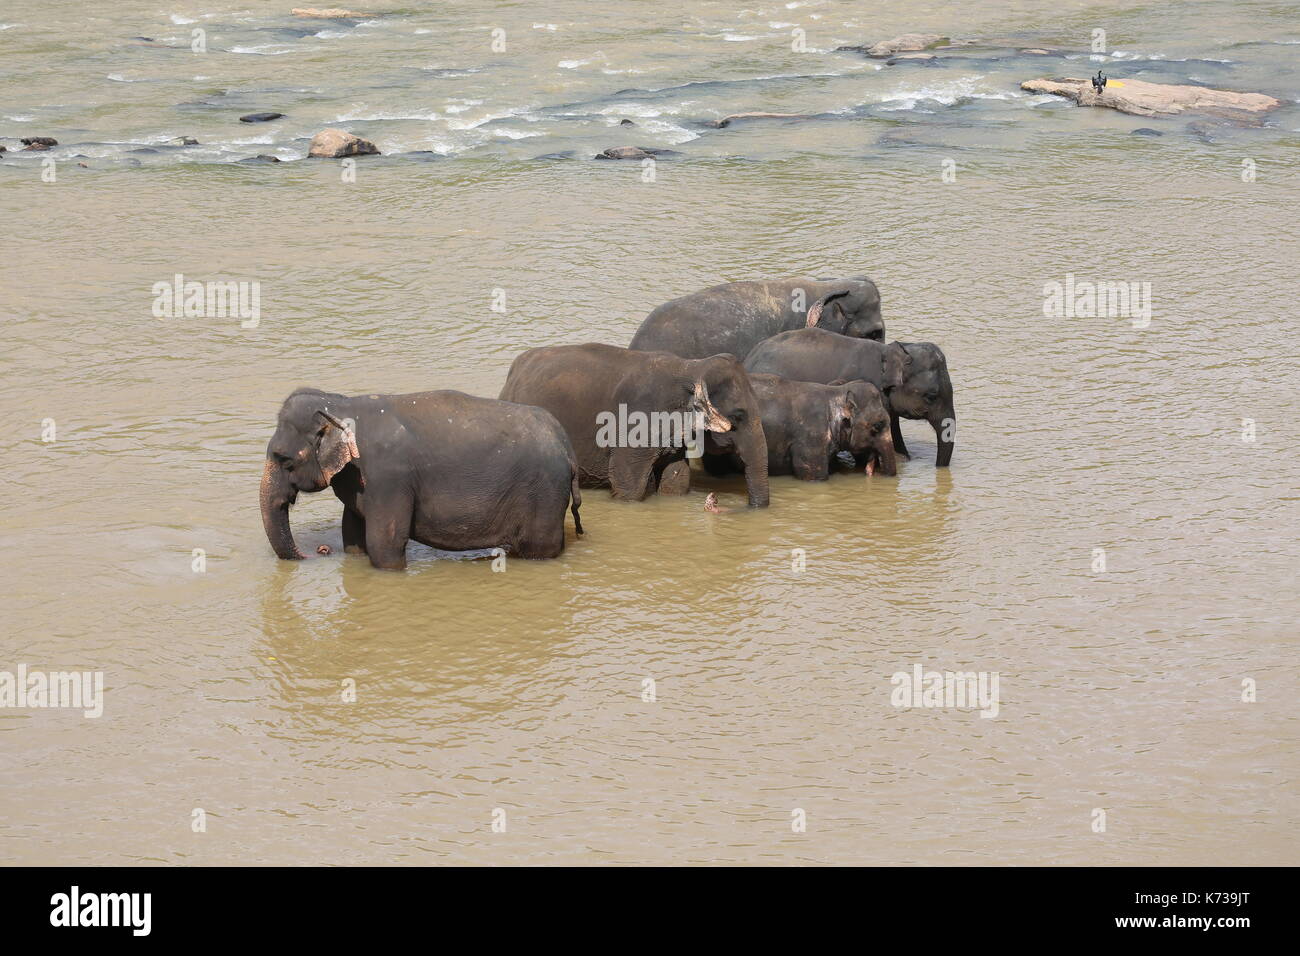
807 425
913 376
580 383
446 469
736 316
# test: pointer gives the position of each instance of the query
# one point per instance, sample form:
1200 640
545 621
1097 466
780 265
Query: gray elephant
736 316
446 469
631 415
913 376
807 425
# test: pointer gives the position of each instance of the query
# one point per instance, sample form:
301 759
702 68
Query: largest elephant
589 387
736 316
913 376
443 468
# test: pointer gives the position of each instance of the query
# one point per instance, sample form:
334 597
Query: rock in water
333 143
1153 99
624 152
907 43
39 142
728 120
260 117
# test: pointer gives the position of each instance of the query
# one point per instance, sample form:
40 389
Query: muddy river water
1115 538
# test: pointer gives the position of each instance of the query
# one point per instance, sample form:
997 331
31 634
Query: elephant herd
755 377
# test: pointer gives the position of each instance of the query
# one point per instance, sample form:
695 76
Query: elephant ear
896 362
700 405
337 444
815 312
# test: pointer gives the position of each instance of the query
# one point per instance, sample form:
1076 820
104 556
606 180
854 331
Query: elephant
808 424
631 414
913 376
449 470
736 316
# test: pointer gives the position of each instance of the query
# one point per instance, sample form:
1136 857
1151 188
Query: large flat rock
1153 99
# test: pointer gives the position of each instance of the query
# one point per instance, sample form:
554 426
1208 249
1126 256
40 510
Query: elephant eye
931 396
738 416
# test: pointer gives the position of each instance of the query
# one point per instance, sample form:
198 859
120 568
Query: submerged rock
330 13
333 143
260 158
907 43
1152 99
39 142
184 141
259 117
635 152
727 120
922 57
1145 131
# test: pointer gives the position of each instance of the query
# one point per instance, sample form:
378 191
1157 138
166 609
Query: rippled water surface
523 691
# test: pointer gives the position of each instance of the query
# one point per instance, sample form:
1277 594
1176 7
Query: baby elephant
446 469
807 425
913 375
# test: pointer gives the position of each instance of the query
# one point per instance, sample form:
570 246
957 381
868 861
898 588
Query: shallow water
523 691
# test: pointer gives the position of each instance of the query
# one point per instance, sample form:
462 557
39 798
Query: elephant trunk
945 432
752 448
276 495
886 460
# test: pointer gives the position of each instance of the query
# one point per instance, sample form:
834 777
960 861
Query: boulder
39 142
635 152
727 120
330 13
625 152
1153 99
333 143
907 43
259 117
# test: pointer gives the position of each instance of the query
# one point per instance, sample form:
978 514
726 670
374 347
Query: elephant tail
575 497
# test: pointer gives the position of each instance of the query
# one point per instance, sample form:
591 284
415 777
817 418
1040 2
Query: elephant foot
676 479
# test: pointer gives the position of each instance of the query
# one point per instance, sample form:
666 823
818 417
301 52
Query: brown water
523 690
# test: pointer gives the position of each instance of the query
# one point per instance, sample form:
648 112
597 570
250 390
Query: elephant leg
354 532
632 472
897 432
675 479
388 528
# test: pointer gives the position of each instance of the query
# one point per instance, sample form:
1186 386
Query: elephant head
734 421
917 386
851 308
862 413
313 442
